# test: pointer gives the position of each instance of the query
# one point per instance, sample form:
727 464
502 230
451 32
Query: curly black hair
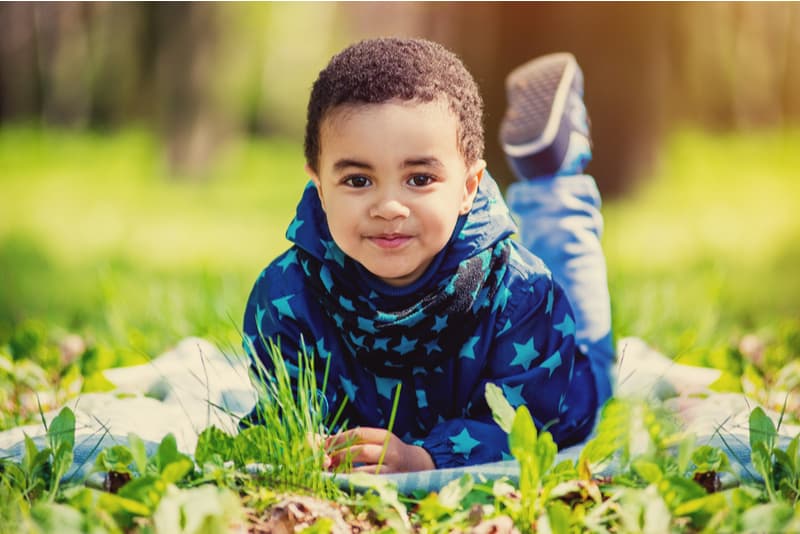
377 70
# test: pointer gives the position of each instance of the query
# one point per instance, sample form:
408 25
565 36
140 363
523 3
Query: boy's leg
545 135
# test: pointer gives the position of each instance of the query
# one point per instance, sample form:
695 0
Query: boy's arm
533 359
272 316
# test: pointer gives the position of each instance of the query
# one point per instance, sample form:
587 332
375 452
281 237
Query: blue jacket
486 310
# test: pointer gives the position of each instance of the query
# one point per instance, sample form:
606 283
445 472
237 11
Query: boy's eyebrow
428 161
345 163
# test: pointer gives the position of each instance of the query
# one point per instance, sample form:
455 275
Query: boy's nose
389 208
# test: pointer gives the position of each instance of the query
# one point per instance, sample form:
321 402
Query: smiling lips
390 241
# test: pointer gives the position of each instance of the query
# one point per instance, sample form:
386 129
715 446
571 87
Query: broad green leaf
649 471
62 429
707 458
455 491
430 508
96 381
559 517
545 452
138 452
762 430
117 458
62 460
167 452
707 504
57 518
770 517
147 489
563 471
29 461
502 411
176 470
745 497
761 458
523 435
783 462
118 504
792 452
676 490
686 446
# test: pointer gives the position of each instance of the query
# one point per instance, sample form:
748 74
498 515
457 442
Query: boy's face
393 183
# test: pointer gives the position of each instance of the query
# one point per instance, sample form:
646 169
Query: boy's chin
396 278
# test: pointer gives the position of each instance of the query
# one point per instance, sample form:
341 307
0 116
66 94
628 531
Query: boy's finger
355 436
361 454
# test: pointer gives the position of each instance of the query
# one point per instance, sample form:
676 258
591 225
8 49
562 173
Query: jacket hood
487 222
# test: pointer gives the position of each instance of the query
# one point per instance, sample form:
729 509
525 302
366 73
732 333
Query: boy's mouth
390 241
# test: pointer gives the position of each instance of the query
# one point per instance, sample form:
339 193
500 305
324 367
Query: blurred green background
151 158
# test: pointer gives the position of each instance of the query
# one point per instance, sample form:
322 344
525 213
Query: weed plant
700 255
283 435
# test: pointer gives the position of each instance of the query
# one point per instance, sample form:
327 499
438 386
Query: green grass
96 237
707 249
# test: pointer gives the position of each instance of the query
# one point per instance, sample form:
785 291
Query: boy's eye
357 181
420 180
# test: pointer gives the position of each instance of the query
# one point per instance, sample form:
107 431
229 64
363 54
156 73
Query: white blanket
195 385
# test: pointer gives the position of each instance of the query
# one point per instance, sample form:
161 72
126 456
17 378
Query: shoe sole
537 94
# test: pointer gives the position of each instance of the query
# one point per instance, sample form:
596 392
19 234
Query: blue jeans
560 221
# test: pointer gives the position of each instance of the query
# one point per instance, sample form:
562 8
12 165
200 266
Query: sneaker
545 130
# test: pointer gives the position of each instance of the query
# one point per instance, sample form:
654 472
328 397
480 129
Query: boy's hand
363 446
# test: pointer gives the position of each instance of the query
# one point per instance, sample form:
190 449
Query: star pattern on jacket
291 232
433 350
552 363
348 387
432 346
386 386
514 395
566 326
524 354
283 307
406 345
440 323
290 258
333 252
468 351
463 443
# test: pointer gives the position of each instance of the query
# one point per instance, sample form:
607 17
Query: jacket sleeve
532 357
271 325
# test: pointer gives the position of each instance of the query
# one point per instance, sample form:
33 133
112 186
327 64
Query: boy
403 271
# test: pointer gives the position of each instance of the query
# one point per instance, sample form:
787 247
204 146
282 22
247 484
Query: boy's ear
315 178
474 176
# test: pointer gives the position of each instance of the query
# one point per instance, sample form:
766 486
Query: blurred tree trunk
43 62
791 79
20 83
621 48
186 35
201 72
